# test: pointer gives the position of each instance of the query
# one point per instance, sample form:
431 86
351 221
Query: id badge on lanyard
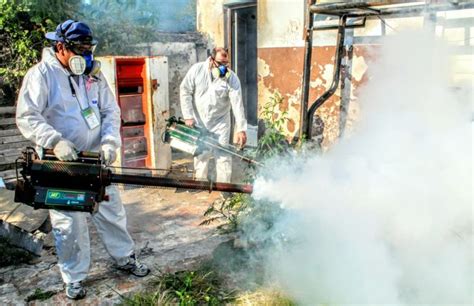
91 118
87 113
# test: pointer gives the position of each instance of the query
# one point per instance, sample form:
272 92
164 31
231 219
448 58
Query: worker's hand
241 139
189 122
109 154
64 150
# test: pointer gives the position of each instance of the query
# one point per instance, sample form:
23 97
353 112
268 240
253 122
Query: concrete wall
210 21
182 50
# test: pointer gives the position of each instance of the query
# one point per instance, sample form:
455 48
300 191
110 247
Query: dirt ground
164 224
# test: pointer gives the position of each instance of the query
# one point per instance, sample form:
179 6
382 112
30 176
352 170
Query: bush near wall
21 40
117 24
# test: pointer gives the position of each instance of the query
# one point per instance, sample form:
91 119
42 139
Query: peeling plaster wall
210 21
281 51
271 66
280 65
280 23
182 50
281 54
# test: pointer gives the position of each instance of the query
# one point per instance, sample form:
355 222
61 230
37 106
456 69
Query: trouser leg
201 165
71 236
223 167
111 224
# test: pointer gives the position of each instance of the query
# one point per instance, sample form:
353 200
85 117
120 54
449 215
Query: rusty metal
337 9
346 82
370 8
335 82
306 69
347 10
352 23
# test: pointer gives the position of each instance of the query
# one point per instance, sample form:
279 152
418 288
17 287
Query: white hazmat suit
46 112
208 101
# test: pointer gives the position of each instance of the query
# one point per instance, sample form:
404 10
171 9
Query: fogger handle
82 154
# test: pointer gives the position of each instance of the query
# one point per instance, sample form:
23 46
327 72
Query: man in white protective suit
65 104
208 92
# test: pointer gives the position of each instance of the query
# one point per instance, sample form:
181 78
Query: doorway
241 40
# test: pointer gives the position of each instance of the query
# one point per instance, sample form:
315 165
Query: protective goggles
80 48
221 63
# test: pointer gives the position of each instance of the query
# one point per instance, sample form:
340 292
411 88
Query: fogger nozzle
194 140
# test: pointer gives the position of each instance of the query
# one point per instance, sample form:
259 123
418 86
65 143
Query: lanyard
73 92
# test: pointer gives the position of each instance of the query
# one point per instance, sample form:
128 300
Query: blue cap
71 31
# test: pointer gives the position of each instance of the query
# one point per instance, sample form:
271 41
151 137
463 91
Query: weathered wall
210 21
182 50
271 68
280 66
281 54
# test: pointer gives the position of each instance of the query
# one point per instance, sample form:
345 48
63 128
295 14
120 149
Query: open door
241 39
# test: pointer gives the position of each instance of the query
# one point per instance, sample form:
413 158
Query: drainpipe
306 68
335 82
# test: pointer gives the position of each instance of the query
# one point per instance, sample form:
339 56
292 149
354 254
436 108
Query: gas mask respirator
84 64
221 71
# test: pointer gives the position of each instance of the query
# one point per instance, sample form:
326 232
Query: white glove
65 151
108 153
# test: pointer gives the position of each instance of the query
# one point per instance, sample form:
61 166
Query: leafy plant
21 37
231 211
273 141
228 211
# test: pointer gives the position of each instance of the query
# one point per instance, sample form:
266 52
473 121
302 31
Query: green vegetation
148 298
227 212
204 286
40 295
273 141
252 221
21 37
235 275
234 211
117 24
200 287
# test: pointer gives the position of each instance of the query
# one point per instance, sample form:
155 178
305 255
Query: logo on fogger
54 195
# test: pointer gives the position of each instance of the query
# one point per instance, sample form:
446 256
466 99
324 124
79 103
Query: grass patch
264 297
148 298
199 287
12 255
40 295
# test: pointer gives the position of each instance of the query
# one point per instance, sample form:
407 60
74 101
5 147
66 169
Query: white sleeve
235 96
32 101
109 114
186 94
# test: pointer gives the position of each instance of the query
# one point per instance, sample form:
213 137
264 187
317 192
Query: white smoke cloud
384 217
